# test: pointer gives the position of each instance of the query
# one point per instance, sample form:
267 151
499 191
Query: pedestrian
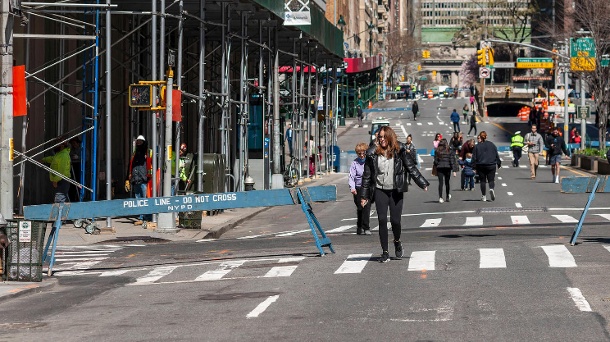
534 143
455 144
473 124
363 213
76 169
455 119
465 113
572 135
445 163
577 138
310 150
557 147
415 110
413 152
60 162
516 145
485 159
437 139
140 174
467 147
360 115
384 179
467 173
472 100
288 138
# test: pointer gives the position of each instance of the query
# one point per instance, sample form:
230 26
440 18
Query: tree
401 50
592 16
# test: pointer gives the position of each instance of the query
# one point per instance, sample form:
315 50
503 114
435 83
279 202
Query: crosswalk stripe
422 261
283 271
113 273
62 259
340 229
294 233
581 302
606 216
222 270
565 218
431 223
559 256
354 263
155 275
520 219
474 221
492 258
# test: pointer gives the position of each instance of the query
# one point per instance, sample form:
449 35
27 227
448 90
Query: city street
500 270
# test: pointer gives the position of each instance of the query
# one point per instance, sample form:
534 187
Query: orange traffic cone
370 104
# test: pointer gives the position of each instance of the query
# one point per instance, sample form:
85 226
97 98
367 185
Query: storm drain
511 210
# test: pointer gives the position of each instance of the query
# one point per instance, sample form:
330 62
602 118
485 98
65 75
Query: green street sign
605 62
534 63
583 111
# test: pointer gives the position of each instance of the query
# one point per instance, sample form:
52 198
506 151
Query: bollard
249 183
341 120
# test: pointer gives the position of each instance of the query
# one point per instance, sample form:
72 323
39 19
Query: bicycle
291 177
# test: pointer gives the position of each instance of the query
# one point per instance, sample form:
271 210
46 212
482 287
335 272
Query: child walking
468 172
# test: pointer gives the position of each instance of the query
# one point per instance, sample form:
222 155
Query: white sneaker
441 200
492 194
556 179
483 198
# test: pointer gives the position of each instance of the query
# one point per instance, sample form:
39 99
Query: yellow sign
534 65
582 64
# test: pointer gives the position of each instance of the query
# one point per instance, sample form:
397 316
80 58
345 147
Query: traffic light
490 56
425 53
140 96
481 60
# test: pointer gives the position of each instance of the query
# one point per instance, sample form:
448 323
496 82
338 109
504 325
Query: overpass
496 95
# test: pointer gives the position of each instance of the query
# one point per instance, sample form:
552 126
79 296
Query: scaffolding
228 57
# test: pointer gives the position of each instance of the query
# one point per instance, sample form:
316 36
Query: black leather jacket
403 162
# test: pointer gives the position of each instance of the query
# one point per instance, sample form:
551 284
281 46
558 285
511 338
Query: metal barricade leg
314 224
584 213
53 236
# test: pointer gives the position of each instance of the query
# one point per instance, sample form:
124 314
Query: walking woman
363 213
485 159
473 123
384 178
415 109
445 162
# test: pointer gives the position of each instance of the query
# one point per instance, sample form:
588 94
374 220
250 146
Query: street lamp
371 27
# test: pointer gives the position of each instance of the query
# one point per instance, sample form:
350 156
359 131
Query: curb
217 233
18 290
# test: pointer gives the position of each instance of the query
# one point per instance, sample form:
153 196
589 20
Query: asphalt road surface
472 270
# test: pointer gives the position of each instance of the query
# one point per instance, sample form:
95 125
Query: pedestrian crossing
553 256
69 258
466 218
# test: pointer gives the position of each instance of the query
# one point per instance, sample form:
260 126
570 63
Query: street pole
566 116
583 120
6 115
166 222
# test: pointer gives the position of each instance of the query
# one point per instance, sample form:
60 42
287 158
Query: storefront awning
355 65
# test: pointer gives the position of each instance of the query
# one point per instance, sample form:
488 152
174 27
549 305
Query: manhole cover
132 239
511 210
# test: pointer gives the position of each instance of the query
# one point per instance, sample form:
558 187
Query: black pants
363 214
391 199
471 128
516 155
487 174
456 126
444 177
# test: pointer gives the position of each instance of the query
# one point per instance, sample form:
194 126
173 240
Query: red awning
362 64
288 69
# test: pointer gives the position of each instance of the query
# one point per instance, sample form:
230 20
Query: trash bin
335 153
24 253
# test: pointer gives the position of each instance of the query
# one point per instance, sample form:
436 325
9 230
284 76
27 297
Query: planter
575 161
588 163
603 167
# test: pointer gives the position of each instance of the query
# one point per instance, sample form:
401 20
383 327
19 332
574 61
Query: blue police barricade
197 202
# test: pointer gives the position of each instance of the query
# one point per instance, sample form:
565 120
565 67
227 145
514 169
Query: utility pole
6 114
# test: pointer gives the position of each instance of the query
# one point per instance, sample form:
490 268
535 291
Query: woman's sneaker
398 249
492 194
484 198
448 198
385 257
441 200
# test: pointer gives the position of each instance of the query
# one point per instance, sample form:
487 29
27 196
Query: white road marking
222 270
492 258
520 219
509 193
559 256
155 275
518 205
422 261
499 178
280 271
404 130
340 229
474 221
260 308
294 233
581 302
606 216
565 218
504 184
354 263
114 273
431 223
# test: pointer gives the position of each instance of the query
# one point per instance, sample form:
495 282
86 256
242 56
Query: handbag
434 172
525 148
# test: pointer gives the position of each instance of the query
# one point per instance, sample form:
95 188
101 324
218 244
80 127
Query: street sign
582 54
534 63
605 62
504 65
484 72
583 111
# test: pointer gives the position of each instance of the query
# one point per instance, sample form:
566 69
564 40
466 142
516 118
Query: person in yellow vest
60 162
516 144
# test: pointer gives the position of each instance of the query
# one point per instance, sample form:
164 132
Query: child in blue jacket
468 172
